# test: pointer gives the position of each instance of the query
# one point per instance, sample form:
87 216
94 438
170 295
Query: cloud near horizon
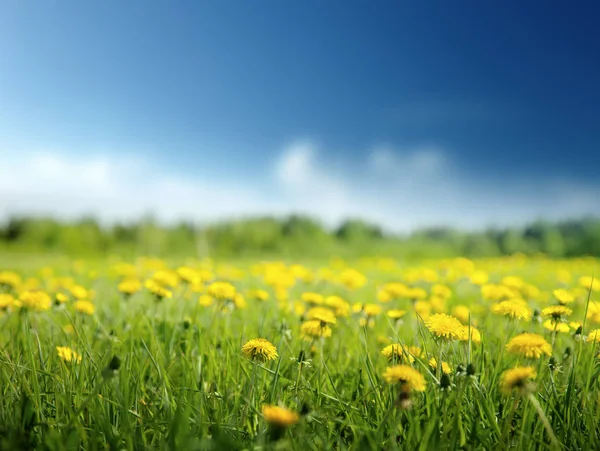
400 189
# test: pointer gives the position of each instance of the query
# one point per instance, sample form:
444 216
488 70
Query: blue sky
407 113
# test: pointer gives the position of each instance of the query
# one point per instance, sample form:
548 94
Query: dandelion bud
471 370
552 364
445 382
115 363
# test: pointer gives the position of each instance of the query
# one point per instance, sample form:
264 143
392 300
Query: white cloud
399 189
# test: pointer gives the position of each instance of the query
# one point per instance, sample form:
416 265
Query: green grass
182 382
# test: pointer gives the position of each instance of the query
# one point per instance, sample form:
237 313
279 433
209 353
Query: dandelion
158 290
85 307
415 351
529 345
588 282
259 349
35 300
6 301
514 308
221 291
67 354
239 301
79 292
279 416
312 298
352 279
259 295
129 286
556 312
395 352
372 309
315 329
166 278
441 291
475 334
517 378
322 314
563 296
10 279
422 308
461 312
446 369
479 278
395 314
406 376
188 275
206 300
341 308
444 326
594 336
556 326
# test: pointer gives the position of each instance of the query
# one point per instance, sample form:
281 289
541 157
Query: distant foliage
295 236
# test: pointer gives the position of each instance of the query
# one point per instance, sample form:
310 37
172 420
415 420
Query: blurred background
310 128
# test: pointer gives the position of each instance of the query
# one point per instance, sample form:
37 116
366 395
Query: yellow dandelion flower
415 351
556 326
575 325
557 311
563 296
372 309
85 307
312 298
279 416
444 326
529 345
594 336
61 298
514 308
10 279
67 354
259 349
259 295
166 278
395 314
446 369
322 314
340 307
352 279
239 301
517 378
416 293
206 300
461 312
157 289
441 291
588 281
6 301
35 300
79 292
188 275
223 291
475 334
423 309
315 329
395 352
479 278
129 286
406 376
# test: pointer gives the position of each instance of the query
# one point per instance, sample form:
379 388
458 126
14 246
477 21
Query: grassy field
369 354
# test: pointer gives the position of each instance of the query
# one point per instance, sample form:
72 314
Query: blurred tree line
294 236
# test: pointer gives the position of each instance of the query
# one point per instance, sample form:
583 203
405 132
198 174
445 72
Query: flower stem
544 420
